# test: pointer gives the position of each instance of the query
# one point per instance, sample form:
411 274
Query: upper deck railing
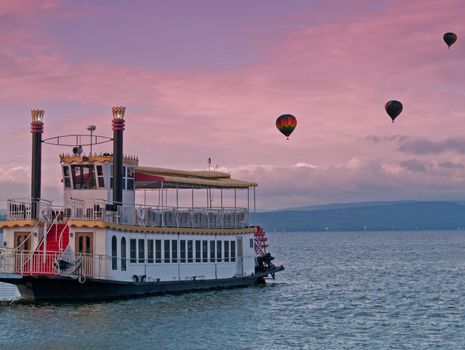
152 216
24 209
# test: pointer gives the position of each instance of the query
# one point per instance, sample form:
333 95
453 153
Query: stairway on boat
42 261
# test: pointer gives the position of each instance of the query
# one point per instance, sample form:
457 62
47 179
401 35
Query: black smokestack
37 128
118 128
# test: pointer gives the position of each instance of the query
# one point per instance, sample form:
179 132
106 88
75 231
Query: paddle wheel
263 260
260 243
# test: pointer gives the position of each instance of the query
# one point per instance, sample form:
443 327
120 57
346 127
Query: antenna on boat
209 190
91 128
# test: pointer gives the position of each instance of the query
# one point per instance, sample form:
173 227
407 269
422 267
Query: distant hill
373 216
345 205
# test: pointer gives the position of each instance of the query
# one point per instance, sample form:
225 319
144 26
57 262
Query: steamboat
100 244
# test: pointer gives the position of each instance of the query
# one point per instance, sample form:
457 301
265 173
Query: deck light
118 112
37 115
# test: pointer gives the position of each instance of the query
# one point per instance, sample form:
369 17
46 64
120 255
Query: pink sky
209 78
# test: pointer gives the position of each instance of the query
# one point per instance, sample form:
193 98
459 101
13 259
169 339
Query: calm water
340 291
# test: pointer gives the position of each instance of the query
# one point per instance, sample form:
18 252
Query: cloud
414 165
420 146
370 180
14 174
450 165
383 139
425 147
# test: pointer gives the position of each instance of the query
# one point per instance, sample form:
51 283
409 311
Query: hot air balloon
286 124
450 38
393 108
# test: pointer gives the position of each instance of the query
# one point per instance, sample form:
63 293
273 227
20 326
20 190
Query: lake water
365 290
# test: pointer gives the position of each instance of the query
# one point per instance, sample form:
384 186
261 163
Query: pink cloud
355 180
333 72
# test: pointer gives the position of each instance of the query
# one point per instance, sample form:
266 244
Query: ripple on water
365 290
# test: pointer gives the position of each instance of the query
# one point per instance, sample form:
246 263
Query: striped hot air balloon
286 123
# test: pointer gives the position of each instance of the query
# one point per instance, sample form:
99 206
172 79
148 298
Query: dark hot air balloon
450 38
286 124
393 108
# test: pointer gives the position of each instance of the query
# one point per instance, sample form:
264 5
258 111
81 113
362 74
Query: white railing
24 209
154 216
60 238
192 217
30 263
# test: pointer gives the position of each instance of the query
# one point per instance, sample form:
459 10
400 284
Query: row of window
90 176
172 251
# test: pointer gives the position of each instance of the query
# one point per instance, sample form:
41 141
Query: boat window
226 251
141 251
233 251
183 251
80 244
197 251
133 251
212 251
83 176
123 254
150 251
89 213
97 211
99 170
204 251
111 177
218 251
66 176
78 213
189 252
124 178
114 253
88 245
251 243
130 179
167 251
22 243
174 248
158 251
100 177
